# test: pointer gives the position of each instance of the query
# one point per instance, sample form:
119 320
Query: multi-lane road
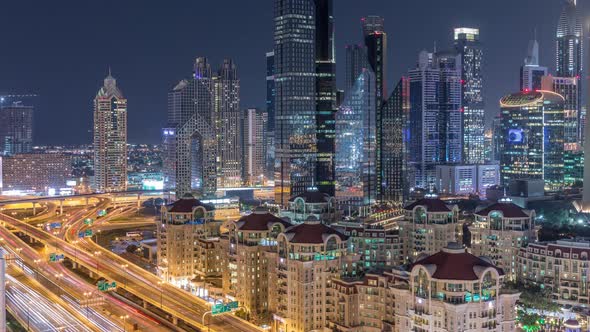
178 303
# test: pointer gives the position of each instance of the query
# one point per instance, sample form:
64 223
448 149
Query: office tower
270 110
568 88
226 108
356 61
255 127
326 96
496 138
375 40
393 183
467 179
435 116
453 290
16 128
190 145
110 138
531 73
500 231
467 44
305 97
356 145
532 138
569 50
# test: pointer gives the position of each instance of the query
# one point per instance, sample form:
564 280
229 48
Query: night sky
61 50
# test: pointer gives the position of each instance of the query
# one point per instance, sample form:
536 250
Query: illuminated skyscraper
226 96
254 145
569 50
531 73
568 88
16 128
532 138
270 110
305 101
394 154
356 145
467 44
356 61
110 138
435 116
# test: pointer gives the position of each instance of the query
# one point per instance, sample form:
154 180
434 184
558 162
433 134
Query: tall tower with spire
110 138
531 73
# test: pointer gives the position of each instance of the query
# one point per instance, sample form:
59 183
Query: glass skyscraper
305 102
356 145
467 44
532 137
435 122
569 48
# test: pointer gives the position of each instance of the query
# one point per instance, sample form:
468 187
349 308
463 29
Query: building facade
435 124
561 266
427 226
567 87
356 145
500 231
110 138
453 290
531 74
37 172
270 110
255 126
532 138
467 179
181 226
16 128
468 45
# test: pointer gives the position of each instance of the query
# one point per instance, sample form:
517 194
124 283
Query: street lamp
36 267
124 267
58 277
124 318
97 253
75 243
18 251
161 284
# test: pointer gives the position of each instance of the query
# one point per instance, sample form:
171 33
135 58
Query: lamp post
161 284
87 304
75 243
124 318
58 277
36 267
124 267
96 254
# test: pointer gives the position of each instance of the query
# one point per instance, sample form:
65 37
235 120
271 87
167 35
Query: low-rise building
311 203
561 266
428 225
467 179
454 290
181 225
500 231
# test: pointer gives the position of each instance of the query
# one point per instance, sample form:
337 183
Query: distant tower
569 47
468 45
110 138
16 128
254 145
530 72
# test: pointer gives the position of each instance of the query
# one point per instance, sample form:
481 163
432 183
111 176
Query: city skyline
71 70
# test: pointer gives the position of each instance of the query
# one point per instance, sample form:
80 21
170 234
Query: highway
137 281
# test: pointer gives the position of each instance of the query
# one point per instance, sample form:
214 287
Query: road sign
53 257
102 213
86 233
221 308
55 225
88 221
105 286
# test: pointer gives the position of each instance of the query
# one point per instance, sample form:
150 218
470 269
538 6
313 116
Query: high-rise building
496 138
395 114
110 138
569 51
190 145
356 145
531 73
270 110
36 172
532 138
435 125
568 88
255 127
16 128
227 113
356 61
305 97
467 179
467 44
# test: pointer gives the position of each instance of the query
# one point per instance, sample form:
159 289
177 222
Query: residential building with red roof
500 230
428 225
453 290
